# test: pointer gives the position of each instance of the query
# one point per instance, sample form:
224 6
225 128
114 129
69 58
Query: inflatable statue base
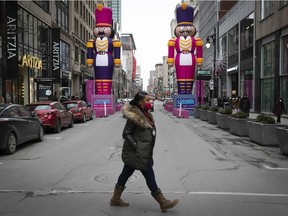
102 105
184 105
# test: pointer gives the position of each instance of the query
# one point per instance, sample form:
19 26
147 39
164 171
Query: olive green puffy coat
137 132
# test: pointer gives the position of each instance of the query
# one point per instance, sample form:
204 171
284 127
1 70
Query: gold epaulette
171 42
89 44
170 60
89 61
117 61
199 42
199 60
116 43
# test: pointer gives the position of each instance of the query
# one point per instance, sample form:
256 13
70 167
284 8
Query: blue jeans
149 176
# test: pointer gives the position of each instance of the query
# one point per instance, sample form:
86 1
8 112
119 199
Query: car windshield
71 105
38 107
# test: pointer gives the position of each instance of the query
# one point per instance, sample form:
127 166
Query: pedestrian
279 109
55 98
245 104
236 104
2 100
139 139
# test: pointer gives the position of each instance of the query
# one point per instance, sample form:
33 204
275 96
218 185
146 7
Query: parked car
80 110
166 100
17 126
53 114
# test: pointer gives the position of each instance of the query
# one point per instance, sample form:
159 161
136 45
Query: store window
267 76
64 56
266 8
284 69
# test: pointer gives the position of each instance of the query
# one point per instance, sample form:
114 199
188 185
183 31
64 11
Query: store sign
31 62
44 91
45 52
11 39
56 54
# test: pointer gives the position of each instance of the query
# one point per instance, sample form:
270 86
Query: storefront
30 53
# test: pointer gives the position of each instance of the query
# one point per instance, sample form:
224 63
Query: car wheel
57 129
84 118
71 123
40 134
91 118
11 144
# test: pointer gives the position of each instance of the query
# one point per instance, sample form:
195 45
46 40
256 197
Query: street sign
204 72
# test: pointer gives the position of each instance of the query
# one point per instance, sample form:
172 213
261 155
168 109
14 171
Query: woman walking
139 139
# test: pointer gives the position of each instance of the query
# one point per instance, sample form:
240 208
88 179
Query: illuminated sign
32 62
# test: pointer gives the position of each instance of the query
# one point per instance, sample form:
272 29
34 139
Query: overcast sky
149 22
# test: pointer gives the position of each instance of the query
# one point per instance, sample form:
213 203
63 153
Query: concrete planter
282 137
223 121
263 134
211 116
197 113
238 126
203 115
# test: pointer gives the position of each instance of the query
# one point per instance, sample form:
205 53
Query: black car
17 126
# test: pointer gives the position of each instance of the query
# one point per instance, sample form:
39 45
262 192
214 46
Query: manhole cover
112 178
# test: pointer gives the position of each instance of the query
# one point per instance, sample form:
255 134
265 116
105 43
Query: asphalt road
211 171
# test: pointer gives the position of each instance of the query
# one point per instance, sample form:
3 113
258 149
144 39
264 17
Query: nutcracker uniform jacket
139 131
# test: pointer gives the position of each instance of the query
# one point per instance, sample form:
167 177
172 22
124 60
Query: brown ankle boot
164 204
116 199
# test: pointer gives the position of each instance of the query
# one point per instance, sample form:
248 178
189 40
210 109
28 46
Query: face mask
147 106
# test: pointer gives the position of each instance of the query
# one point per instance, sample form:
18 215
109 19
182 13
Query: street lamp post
213 37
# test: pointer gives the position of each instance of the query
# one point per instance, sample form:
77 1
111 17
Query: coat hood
134 114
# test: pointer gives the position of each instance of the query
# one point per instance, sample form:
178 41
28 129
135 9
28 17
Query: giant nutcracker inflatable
103 54
185 45
188 51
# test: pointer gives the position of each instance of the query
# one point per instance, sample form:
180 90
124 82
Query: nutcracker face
102 31
185 30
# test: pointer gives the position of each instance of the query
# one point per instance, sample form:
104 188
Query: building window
267 76
0 49
247 32
76 54
283 3
233 41
268 60
83 57
43 4
62 18
284 69
76 6
64 55
284 55
266 8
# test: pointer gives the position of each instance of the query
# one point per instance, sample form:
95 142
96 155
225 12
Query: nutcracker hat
184 14
103 16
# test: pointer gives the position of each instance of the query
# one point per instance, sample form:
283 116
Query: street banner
45 52
56 54
11 48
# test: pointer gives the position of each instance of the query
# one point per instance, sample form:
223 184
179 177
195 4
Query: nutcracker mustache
182 32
